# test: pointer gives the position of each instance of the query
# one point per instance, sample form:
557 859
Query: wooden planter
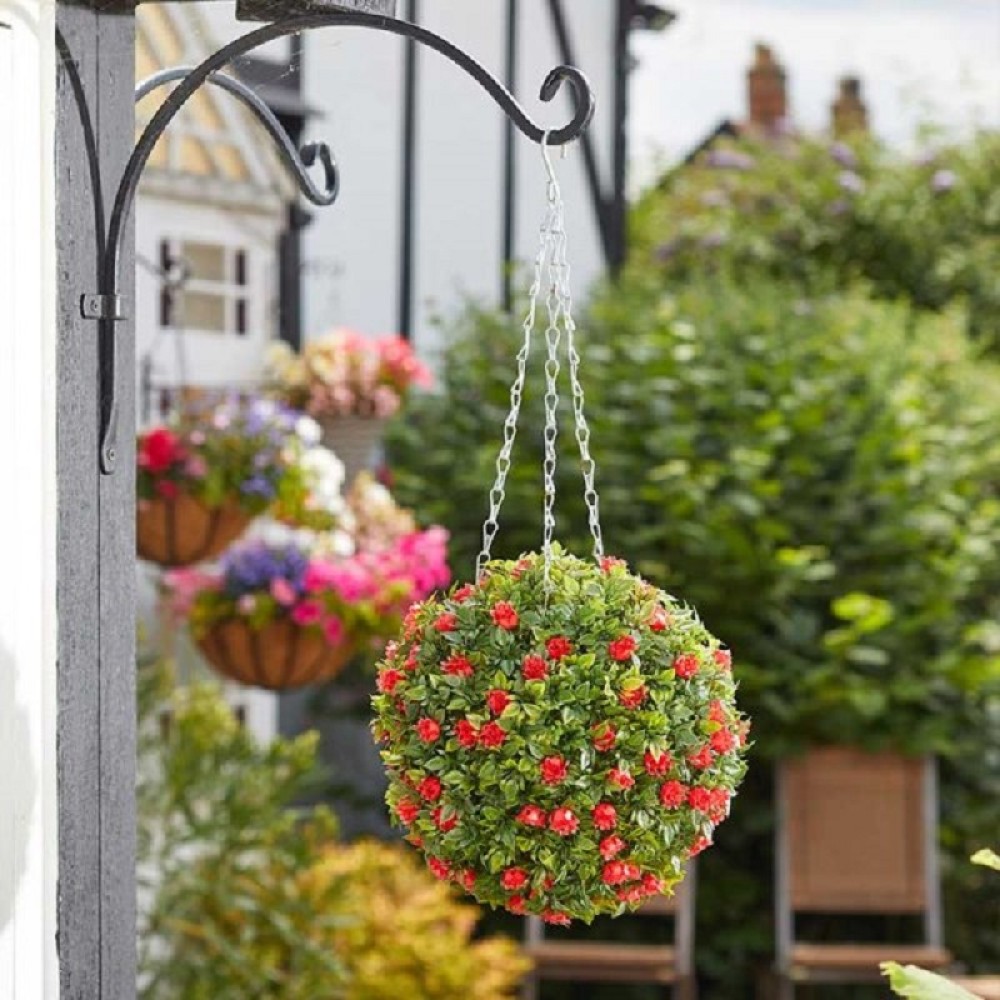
280 656
183 531
353 440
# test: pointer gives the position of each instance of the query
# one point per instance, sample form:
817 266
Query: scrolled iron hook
103 305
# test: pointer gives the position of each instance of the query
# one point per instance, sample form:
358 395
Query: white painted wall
28 835
354 78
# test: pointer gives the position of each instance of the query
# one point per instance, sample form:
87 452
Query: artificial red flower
428 730
415 839
686 666
411 658
466 733
613 873
458 666
701 759
534 668
701 844
564 822
622 648
445 825
514 878
411 621
633 697
700 799
463 593
159 449
391 649
723 658
604 816
620 778
447 621
516 905
632 871
532 816
656 764
548 883
608 563
407 810
468 879
388 679
659 620
717 711
558 647
504 615
652 884
492 735
632 894
441 869
672 794
611 847
497 700
554 770
430 789
722 741
555 917
604 736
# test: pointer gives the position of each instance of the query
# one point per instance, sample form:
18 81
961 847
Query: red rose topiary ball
561 752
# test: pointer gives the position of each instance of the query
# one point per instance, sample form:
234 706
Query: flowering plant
352 598
559 752
346 374
251 451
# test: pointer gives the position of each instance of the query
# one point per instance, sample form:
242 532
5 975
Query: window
205 287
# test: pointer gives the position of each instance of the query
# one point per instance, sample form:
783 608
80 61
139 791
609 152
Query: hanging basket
182 530
280 656
354 441
560 736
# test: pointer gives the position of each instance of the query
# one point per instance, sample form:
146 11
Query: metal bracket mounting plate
94 306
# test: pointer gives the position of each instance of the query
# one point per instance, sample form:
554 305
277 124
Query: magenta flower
283 592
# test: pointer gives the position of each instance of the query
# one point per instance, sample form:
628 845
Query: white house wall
352 249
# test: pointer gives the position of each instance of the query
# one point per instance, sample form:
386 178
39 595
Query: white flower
308 430
277 534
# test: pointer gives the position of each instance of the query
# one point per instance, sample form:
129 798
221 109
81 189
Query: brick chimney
848 113
767 97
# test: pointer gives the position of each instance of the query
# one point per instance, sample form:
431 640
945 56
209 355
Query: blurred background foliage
795 413
244 896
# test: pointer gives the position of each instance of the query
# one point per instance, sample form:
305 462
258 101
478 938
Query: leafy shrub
242 897
816 475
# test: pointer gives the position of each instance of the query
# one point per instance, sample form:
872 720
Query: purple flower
667 251
730 159
259 486
943 180
251 567
851 182
844 155
712 241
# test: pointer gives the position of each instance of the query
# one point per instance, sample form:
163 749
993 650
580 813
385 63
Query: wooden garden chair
668 965
856 834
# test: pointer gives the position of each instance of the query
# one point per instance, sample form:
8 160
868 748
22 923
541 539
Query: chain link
552 269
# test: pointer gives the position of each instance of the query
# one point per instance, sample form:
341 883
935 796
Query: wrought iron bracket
104 306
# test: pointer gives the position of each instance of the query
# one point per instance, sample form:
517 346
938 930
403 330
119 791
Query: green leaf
918 984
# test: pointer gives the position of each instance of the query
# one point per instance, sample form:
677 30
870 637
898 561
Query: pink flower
306 613
611 847
333 630
283 592
659 620
556 918
196 467
723 658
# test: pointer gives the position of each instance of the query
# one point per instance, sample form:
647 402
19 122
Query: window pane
207 261
203 311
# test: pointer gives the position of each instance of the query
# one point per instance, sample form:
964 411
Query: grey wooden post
95 544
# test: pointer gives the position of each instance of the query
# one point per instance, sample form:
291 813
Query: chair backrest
856 834
680 906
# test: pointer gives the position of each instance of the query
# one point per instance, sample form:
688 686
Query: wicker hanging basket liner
279 657
183 530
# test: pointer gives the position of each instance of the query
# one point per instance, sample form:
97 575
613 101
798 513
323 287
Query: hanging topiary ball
559 749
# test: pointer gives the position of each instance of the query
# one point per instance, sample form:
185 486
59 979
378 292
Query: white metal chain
551 267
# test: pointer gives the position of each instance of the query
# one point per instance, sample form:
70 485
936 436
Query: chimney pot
848 113
767 96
